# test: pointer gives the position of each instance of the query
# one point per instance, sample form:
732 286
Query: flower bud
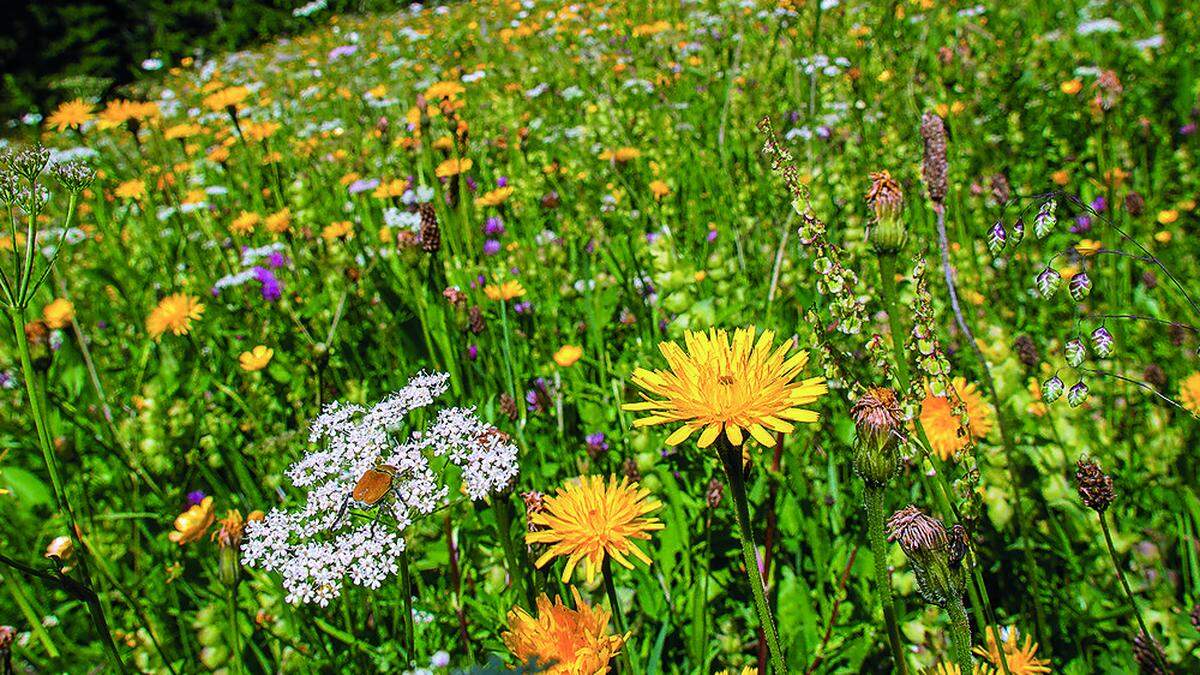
879 422
935 553
887 201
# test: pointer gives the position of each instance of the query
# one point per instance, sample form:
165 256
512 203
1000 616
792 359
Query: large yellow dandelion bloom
70 115
191 524
245 222
941 424
1019 655
453 167
733 386
569 641
1189 393
174 313
505 291
589 520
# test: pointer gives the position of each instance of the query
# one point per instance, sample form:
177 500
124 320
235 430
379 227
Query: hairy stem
960 633
883 582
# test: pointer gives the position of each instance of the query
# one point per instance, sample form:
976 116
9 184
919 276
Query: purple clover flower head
276 260
537 398
711 236
195 497
1083 223
271 289
494 227
472 352
1099 204
491 247
523 307
471 184
502 181
596 445
362 185
1187 129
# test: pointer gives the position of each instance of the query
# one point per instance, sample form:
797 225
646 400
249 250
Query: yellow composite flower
225 98
191 524
727 386
1189 393
131 189
70 115
494 197
504 291
567 355
441 90
568 641
589 520
256 359
1071 87
1020 656
174 313
1088 247
1167 216
342 229
659 189
941 424
58 313
453 167
279 222
245 222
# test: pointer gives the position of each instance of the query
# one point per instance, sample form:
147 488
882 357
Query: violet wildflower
362 185
472 352
195 497
494 227
1083 223
271 289
491 247
596 445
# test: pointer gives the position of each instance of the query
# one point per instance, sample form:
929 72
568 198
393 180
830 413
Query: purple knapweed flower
195 497
491 247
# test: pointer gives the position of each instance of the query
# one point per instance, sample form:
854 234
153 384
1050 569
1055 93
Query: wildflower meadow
688 336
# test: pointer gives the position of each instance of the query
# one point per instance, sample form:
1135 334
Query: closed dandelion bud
430 235
1148 655
879 423
1048 282
1045 220
935 554
997 237
508 406
1018 231
1080 286
934 166
1102 342
1052 389
1077 394
1075 352
887 201
1095 487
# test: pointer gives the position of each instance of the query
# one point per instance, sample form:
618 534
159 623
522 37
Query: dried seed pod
430 235
1095 487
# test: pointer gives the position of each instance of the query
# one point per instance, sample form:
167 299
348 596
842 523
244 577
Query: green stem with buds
731 459
883 583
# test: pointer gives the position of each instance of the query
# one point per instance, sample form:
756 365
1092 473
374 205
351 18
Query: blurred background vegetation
56 50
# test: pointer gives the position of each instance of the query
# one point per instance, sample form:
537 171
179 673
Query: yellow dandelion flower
228 97
941 425
1020 656
569 641
589 520
58 313
1088 247
70 115
567 355
342 229
494 197
131 189
174 313
727 386
505 291
256 359
1071 87
191 524
659 189
1167 216
1189 393
440 90
245 222
279 222
453 167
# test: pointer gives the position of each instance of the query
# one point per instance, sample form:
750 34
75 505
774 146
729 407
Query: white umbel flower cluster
319 546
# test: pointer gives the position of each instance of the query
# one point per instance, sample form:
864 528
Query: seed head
934 169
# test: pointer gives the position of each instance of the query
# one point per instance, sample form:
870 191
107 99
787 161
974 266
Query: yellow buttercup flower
727 386
191 524
58 313
941 425
70 115
588 520
441 90
567 355
505 291
567 641
1019 656
256 359
1189 393
1071 87
1088 247
1167 216
174 313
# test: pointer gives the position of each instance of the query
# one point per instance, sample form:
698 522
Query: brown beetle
374 484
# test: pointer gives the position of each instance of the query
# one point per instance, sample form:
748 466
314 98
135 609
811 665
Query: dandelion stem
883 583
1137 613
610 588
95 608
960 633
516 571
731 459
